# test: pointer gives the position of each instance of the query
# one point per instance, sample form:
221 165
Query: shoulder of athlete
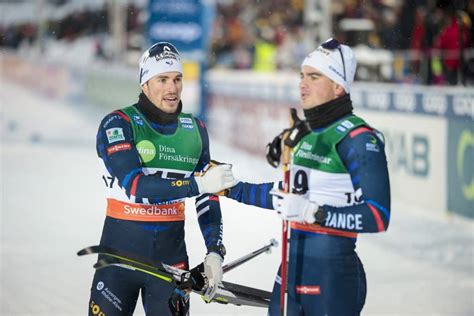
364 132
364 137
201 127
114 119
200 123
114 127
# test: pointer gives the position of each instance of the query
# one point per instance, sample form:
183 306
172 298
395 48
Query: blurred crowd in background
425 42
412 41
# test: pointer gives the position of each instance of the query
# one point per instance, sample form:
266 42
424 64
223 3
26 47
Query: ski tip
86 251
107 262
98 265
102 264
81 252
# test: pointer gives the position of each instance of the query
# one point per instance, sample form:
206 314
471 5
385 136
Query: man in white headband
339 187
154 156
334 61
159 63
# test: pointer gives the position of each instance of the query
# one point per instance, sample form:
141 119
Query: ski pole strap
172 212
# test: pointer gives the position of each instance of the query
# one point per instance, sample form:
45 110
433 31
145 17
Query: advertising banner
187 25
460 166
415 148
178 22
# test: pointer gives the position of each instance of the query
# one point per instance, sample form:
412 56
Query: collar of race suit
325 114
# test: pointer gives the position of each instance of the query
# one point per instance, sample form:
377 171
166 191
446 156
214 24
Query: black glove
274 151
179 302
179 299
299 129
198 281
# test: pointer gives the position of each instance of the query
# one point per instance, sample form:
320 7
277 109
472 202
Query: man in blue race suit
339 187
153 157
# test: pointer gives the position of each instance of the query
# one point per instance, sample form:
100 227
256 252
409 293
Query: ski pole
285 225
253 254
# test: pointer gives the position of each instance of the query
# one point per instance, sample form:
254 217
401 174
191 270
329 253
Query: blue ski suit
325 274
159 238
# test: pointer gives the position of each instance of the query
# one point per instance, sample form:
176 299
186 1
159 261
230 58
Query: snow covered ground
52 205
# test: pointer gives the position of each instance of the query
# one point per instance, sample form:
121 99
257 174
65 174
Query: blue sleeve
254 194
122 160
363 154
207 205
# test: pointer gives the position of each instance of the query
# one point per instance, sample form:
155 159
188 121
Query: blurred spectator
389 32
257 34
453 38
406 22
265 52
293 47
469 54
84 22
433 24
418 44
269 35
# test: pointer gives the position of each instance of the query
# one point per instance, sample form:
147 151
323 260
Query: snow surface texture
52 205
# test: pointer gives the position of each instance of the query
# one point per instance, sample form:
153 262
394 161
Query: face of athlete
164 90
316 88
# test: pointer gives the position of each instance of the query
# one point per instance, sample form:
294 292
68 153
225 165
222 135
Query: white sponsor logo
114 134
100 285
463 106
113 117
306 146
405 102
315 157
146 151
138 119
347 124
152 210
180 7
186 32
372 145
378 100
186 120
435 104
112 298
336 72
166 149
341 221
